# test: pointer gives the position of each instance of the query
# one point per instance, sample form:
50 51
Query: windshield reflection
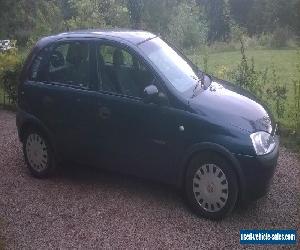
173 66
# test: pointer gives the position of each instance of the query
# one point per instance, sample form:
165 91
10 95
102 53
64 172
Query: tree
21 19
135 8
264 16
218 16
86 15
188 26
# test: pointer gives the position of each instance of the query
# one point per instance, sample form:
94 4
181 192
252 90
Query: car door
137 137
62 97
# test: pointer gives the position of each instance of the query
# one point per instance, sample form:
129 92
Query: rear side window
69 64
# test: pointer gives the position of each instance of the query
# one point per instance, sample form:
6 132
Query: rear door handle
104 113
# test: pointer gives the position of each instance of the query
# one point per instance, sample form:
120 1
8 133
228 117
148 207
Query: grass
283 61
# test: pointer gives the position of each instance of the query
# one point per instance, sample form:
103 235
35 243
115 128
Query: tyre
211 186
38 154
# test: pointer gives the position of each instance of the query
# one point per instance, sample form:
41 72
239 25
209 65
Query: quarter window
36 70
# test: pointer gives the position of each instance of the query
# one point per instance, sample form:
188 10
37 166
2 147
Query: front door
134 136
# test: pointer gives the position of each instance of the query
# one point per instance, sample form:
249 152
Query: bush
245 75
296 93
187 28
10 68
281 37
265 40
256 81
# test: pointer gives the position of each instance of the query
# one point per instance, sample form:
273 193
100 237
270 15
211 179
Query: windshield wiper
199 83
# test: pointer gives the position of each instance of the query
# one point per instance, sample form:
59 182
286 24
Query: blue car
132 103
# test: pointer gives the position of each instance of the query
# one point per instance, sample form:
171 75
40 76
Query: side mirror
152 95
207 81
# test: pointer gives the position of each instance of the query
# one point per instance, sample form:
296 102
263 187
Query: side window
122 72
69 64
107 53
128 59
57 59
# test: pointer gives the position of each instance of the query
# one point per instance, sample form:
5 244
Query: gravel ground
88 208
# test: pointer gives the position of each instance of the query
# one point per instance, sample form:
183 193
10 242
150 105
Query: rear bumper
257 173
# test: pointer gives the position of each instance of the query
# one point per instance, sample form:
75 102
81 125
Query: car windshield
178 70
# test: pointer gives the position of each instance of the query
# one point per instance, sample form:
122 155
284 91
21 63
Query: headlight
263 142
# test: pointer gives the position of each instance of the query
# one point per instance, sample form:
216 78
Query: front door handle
104 113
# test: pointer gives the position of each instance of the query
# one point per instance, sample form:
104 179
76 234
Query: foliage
187 28
86 15
263 83
22 19
157 15
216 20
277 94
10 68
280 37
218 17
245 75
264 16
296 108
135 8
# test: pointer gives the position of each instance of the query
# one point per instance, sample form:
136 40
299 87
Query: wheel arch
201 148
30 122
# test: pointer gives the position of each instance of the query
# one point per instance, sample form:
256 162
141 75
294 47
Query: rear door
59 96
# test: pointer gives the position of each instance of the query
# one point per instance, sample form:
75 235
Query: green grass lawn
284 62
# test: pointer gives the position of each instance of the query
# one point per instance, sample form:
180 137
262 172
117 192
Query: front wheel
38 154
211 186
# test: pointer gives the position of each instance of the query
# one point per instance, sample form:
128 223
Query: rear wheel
211 186
38 154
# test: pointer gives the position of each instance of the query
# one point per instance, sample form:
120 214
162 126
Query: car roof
133 36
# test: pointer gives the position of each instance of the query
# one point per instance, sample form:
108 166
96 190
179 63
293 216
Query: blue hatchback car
131 102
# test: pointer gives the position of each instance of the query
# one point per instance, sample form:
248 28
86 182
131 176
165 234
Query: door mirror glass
152 95
151 90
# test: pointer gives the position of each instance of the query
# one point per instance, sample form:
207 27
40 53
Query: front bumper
257 173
